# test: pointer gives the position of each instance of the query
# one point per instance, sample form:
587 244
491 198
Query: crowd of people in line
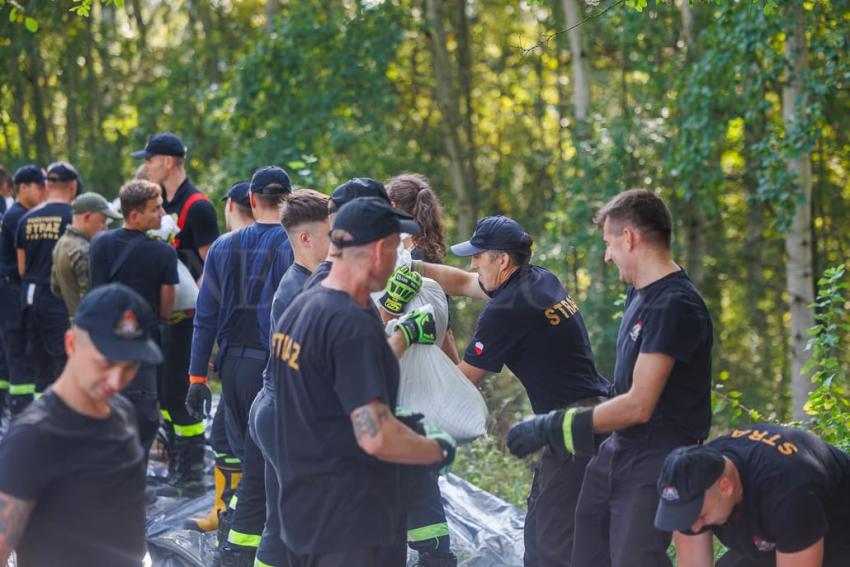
303 309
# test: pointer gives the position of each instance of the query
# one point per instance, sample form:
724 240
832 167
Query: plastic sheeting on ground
485 530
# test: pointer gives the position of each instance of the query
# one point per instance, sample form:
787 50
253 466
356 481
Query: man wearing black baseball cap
237 208
354 188
45 315
72 474
241 275
29 183
773 495
532 325
164 156
334 371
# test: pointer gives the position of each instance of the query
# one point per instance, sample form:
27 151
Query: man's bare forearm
381 435
14 515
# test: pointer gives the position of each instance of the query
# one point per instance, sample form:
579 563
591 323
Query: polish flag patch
479 348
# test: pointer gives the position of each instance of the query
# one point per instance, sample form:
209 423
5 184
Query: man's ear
70 342
631 237
304 238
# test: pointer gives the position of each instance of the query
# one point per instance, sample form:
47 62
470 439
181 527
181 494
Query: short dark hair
135 194
520 257
264 201
642 209
303 206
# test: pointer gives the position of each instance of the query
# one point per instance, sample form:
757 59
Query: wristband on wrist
197 379
418 266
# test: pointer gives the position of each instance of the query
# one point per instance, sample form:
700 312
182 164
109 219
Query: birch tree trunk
581 69
798 240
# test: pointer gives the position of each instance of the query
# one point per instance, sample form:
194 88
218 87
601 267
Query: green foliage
829 402
487 464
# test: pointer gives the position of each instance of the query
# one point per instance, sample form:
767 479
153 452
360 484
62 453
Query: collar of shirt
518 274
76 232
179 195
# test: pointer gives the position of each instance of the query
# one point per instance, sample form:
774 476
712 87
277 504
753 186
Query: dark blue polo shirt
532 326
669 316
321 272
217 298
290 286
37 234
8 230
796 490
329 357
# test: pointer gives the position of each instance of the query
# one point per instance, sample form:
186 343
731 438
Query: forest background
736 112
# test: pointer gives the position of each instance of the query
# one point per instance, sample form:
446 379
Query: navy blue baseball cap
368 219
119 322
238 193
29 174
163 144
354 189
62 171
270 180
493 233
685 476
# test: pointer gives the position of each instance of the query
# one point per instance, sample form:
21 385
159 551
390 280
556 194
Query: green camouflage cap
93 203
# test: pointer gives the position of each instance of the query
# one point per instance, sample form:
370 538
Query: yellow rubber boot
226 480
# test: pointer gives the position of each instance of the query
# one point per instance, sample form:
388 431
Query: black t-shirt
796 491
290 286
319 274
87 479
534 327
8 230
669 316
149 265
201 228
330 356
37 234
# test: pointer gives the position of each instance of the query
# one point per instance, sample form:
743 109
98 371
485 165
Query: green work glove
570 430
402 286
418 326
411 419
447 444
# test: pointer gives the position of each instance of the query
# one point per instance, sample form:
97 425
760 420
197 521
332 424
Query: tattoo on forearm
367 420
14 514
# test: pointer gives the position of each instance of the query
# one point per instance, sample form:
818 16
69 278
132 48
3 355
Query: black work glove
411 420
198 400
568 430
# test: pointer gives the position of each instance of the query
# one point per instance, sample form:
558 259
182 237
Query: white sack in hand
431 384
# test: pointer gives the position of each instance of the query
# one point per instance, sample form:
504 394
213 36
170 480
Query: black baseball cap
492 233
163 144
119 322
270 180
685 476
62 171
29 174
238 193
368 219
354 189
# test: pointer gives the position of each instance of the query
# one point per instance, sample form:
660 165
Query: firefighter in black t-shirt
531 325
45 315
336 382
773 495
164 156
72 473
662 380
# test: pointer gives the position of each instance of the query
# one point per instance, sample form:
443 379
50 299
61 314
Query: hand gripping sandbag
431 384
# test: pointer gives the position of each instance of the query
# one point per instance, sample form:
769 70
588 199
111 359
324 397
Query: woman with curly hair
412 193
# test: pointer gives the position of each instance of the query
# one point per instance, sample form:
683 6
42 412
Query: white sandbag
431 384
186 290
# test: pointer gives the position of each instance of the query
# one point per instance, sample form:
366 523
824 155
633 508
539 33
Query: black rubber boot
429 559
237 556
188 477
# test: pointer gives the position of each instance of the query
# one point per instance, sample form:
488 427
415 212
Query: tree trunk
447 100
581 69
799 277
